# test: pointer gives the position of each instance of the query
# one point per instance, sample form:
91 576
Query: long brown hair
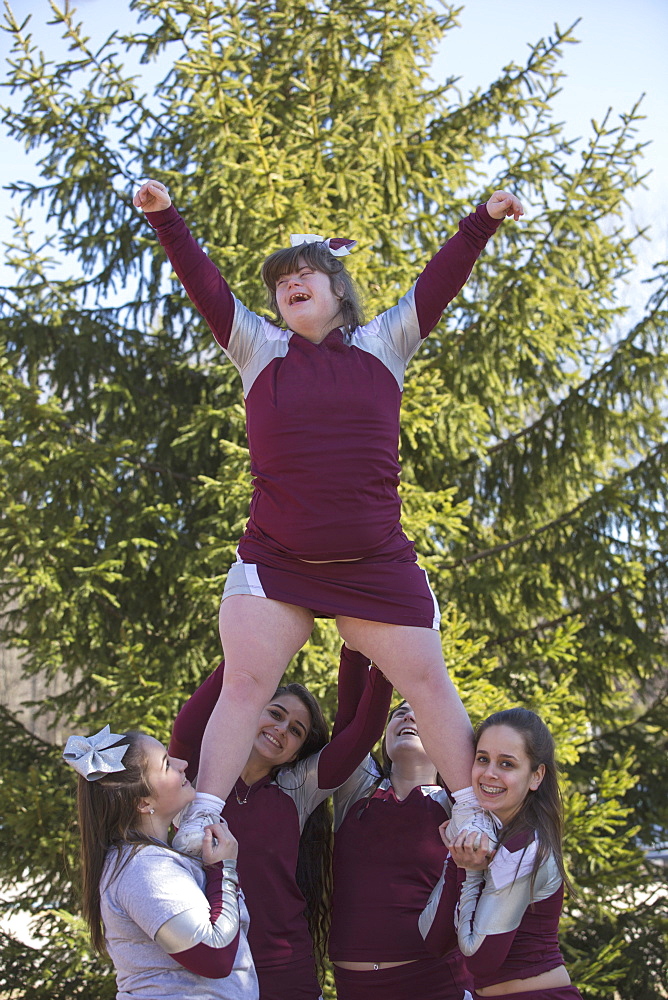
314 861
318 257
109 819
542 809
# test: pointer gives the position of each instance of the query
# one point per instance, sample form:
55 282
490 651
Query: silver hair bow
94 756
337 246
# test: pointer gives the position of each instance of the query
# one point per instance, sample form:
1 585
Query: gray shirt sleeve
393 337
156 885
359 784
254 343
194 926
506 894
301 784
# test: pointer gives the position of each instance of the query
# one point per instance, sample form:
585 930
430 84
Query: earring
151 811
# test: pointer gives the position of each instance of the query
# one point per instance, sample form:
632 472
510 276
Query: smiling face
170 789
401 735
502 774
307 303
284 725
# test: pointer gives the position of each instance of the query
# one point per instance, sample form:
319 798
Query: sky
621 55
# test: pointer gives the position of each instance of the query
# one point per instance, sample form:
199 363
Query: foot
191 822
469 817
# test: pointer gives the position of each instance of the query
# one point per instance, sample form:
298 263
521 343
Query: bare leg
412 660
259 638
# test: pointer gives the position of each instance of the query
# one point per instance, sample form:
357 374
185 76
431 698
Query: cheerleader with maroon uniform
387 856
324 538
505 913
273 810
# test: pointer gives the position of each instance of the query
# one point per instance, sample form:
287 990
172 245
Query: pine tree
533 440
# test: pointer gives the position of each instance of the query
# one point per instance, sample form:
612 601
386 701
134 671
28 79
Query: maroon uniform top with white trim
268 824
505 930
387 855
321 417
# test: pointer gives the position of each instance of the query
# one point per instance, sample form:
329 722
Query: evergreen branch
635 724
580 610
541 54
77 431
27 737
596 501
579 392
528 535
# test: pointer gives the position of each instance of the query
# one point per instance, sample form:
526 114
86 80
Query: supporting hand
469 849
218 844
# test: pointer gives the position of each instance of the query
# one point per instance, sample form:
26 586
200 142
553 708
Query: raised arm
352 742
352 680
493 902
190 723
446 274
159 891
206 288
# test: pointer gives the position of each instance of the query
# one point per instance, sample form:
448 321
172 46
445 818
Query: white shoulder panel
254 343
393 337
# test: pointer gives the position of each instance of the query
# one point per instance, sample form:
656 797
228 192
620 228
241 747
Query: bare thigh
260 636
412 660
405 653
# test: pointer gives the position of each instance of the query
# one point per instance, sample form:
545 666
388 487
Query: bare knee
418 679
248 686
425 678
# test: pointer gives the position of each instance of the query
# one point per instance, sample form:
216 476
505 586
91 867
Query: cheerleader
507 909
324 538
278 813
387 855
172 926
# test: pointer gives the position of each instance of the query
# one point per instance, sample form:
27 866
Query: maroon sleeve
202 959
348 749
491 954
442 936
446 274
207 289
353 676
190 723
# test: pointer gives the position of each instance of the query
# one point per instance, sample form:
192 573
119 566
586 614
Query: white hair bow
94 756
337 246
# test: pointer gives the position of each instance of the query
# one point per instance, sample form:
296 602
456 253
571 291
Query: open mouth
489 790
408 731
298 297
272 739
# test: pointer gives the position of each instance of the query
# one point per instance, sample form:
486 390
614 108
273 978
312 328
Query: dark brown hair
314 862
384 765
542 809
318 257
109 819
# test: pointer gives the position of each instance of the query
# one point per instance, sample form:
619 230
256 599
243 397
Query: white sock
210 802
465 795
